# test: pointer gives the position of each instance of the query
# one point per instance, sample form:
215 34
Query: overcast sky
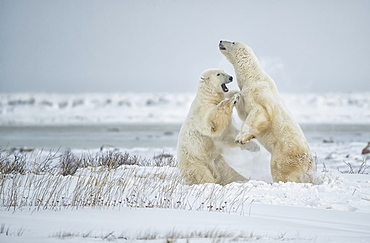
71 46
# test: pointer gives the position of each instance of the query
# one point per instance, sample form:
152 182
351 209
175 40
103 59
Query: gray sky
71 46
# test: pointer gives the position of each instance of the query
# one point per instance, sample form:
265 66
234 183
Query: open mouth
223 85
221 46
224 88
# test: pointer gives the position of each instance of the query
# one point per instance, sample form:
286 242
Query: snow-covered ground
151 203
264 223
145 199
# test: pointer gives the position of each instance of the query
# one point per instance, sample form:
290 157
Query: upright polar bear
206 130
266 118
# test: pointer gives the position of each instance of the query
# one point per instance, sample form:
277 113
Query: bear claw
236 98
244 139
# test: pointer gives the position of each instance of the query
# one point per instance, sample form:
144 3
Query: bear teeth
224 88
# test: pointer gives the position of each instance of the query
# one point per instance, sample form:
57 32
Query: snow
31 109
137 203
263 224
148 201
335 211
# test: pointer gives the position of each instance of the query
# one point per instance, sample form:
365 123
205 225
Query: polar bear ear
205 78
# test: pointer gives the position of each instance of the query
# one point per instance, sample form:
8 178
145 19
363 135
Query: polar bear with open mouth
207 130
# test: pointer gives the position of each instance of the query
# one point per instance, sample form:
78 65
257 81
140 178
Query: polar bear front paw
243 138
250 146
235 98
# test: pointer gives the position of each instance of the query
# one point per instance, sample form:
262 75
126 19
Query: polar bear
266 118
207 130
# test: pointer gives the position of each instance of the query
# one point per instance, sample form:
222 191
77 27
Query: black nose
221 46
220 41
231 78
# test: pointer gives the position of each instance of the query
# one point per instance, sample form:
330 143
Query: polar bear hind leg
228 174
292 169
197 173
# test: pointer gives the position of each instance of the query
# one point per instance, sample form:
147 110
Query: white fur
266 118
206 130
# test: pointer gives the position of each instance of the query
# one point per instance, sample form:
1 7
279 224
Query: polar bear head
216 80
235 51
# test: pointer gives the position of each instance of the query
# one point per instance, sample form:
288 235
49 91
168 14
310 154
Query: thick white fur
266 118
207 128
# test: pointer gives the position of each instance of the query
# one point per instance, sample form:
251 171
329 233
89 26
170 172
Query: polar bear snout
221 46
228 79
225 45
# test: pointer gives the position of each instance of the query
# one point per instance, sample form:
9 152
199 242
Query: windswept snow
263 224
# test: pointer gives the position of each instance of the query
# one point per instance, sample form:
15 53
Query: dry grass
12 163
8 232
363 168
210 235
110 180
355 167
21 161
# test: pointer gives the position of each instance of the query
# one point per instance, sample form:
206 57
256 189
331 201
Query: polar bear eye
218 74
233 43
